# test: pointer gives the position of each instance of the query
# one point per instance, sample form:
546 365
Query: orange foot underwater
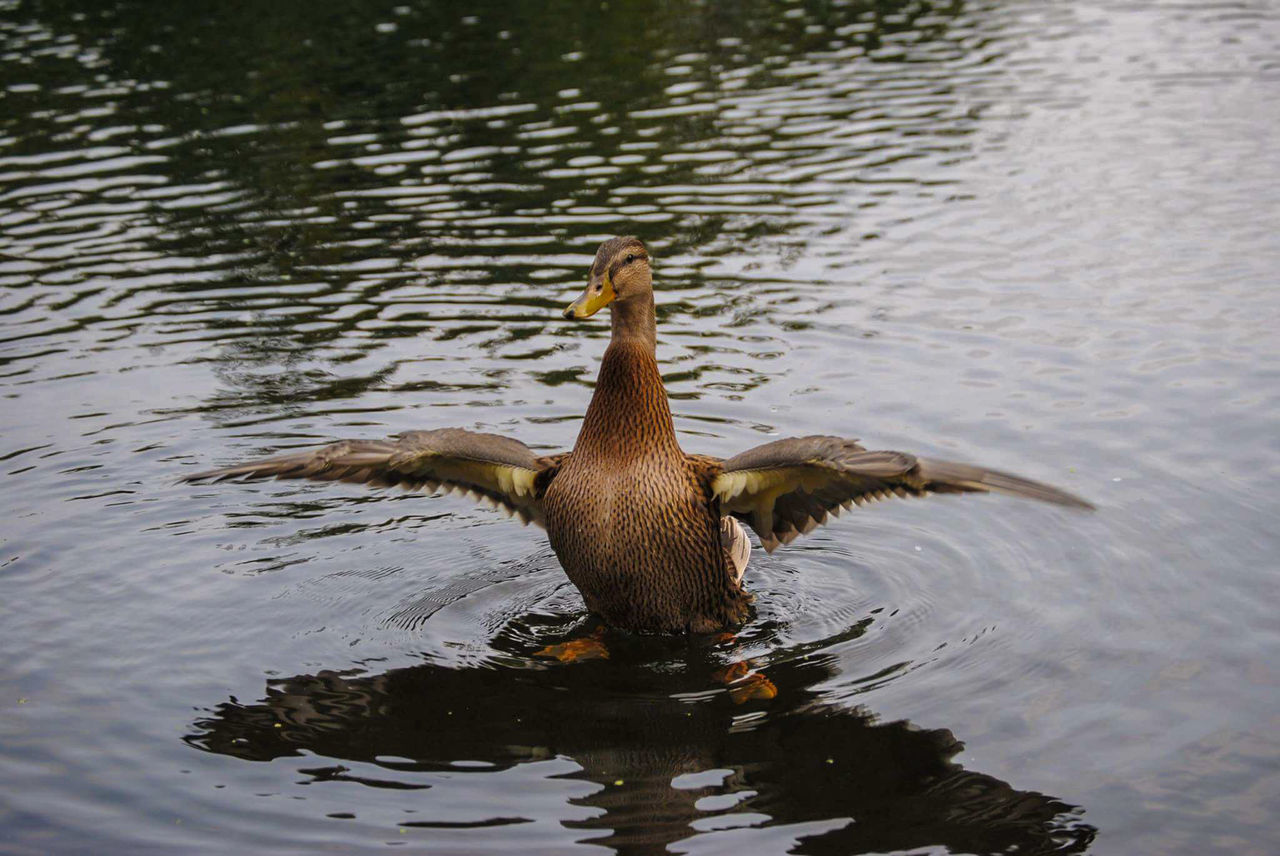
744 684
587 648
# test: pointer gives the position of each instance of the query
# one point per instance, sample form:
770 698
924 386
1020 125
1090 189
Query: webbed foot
744 684
585 648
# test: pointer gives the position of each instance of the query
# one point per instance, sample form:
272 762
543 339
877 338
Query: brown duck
650 535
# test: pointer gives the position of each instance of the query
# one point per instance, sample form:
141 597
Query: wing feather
787 488
491 467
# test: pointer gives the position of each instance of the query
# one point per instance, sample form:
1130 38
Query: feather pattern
499 469
632 518
737 544
787 488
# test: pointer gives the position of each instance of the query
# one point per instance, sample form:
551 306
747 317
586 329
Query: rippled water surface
1041 236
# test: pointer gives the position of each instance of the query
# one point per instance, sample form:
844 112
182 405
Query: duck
654 538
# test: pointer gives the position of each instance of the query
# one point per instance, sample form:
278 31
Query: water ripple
1034 235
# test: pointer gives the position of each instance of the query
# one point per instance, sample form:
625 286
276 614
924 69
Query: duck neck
633 322
629 415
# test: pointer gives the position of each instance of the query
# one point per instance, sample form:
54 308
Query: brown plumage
647 533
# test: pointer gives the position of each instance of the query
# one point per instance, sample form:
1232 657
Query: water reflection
323 186
669 754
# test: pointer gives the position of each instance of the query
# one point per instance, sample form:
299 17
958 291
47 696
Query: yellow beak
598 295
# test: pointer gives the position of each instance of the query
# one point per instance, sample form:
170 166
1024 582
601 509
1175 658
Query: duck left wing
490 466
788 487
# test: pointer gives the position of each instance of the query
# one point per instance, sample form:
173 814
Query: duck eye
630 259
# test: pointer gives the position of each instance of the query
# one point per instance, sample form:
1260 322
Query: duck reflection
672 752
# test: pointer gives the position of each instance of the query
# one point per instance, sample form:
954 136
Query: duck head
619 274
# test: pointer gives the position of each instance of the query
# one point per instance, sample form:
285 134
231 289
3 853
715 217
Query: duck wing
502 470
788 487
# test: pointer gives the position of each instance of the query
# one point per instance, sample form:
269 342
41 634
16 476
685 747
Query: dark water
1038 235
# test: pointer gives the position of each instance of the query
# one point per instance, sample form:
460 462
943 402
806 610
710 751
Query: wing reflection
671 754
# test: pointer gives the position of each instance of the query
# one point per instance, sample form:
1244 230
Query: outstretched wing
500 469
786 488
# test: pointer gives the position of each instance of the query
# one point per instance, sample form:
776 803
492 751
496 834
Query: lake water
1041 236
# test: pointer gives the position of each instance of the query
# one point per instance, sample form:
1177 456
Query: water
1036 235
